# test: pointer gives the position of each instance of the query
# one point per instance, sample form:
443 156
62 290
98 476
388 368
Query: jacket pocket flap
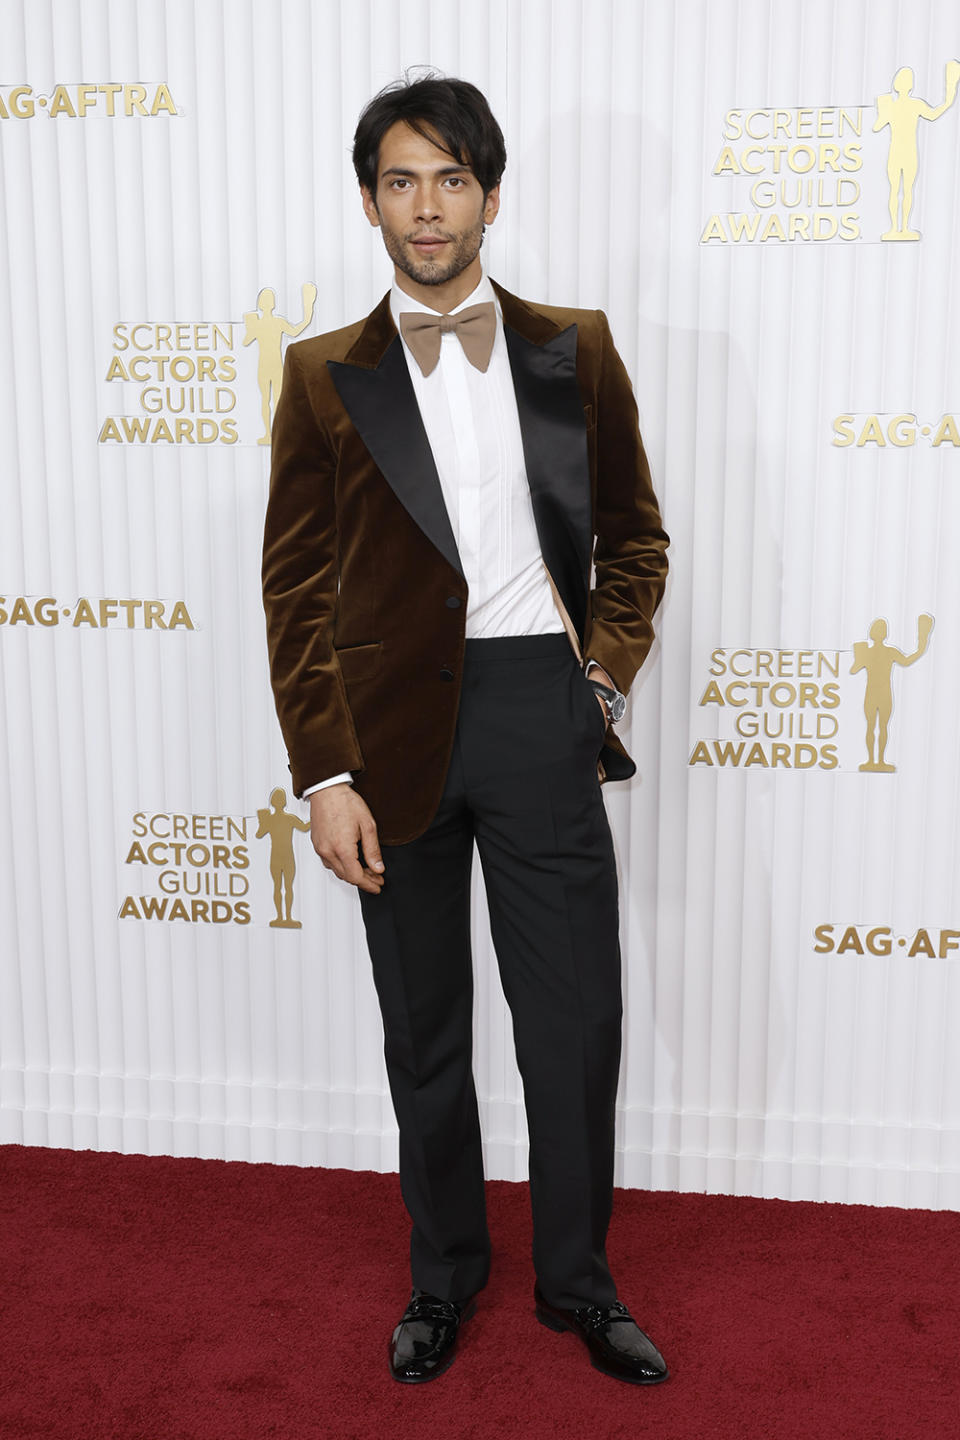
359 661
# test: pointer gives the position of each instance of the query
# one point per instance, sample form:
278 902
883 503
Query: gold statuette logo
816 173
268 331
197 868
794 709
902 112
877 659
183 383
279 825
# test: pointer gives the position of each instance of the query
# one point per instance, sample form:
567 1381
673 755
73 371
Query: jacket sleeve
300 586
630 551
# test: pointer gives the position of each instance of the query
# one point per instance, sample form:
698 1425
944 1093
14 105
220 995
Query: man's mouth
429 244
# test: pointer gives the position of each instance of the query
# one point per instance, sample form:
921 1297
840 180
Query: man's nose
429 207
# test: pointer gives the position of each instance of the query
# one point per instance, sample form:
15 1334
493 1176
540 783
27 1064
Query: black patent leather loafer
424 1344
615 1341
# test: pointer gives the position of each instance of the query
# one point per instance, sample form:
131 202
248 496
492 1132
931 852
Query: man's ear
491 205
370 206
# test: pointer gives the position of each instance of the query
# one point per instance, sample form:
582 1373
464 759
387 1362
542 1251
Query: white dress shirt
473 427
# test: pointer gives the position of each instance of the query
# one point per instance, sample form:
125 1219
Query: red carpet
158 1299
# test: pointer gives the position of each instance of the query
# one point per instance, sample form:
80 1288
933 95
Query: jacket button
453 602
446 674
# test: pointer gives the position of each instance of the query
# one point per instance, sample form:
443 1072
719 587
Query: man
443 472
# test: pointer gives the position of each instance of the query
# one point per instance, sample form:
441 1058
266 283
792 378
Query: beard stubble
430 271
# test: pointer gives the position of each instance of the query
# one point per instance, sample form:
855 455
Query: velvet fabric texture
363 590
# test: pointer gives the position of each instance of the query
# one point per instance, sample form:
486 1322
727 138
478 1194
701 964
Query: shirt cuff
344 778
595 665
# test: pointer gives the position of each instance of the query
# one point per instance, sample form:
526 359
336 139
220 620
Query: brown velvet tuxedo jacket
363 588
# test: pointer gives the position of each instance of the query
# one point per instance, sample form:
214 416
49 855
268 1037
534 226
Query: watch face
617 706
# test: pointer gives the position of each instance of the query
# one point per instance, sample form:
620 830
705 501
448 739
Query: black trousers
523 784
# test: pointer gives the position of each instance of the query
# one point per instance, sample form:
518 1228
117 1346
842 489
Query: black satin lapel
555 454
383 408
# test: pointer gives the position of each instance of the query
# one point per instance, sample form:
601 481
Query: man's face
431 211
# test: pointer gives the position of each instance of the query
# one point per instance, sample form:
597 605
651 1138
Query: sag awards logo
802 171
901 432
102 614
833 939
793 709
22 102
179 383
202 869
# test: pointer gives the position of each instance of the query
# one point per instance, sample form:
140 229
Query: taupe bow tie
474 327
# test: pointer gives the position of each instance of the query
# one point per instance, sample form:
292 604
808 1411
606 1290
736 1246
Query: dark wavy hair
453 109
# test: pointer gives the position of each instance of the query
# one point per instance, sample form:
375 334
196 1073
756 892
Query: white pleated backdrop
791 980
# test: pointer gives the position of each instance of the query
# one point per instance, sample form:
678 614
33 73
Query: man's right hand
339 821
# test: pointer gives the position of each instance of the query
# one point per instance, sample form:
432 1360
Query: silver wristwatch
614 701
